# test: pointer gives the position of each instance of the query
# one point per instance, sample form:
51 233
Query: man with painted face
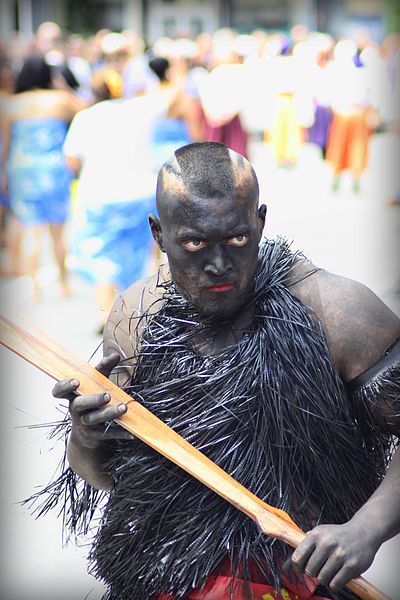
285 375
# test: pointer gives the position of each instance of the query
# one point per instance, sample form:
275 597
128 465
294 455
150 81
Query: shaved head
206 170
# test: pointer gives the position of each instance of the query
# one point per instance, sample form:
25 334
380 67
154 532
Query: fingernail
122 408
74 382
106 397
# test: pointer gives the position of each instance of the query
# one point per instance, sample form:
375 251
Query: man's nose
219 262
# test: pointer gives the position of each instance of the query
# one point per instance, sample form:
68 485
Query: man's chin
219 309
220 306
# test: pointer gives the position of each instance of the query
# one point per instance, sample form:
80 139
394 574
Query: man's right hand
90 413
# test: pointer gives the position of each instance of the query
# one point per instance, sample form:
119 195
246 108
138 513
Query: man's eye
194 245
238 240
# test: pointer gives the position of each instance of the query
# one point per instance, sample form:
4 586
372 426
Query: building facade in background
152 19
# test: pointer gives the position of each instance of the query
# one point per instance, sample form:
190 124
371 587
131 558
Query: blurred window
169 27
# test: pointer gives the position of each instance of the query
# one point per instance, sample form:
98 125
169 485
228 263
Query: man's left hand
335 554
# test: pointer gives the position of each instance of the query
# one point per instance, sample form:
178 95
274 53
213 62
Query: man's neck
224 334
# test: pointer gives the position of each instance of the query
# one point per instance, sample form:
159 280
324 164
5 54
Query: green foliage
393 16
82 16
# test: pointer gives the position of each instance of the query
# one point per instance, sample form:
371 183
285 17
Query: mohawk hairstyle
205 169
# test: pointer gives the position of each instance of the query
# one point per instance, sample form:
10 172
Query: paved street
355 235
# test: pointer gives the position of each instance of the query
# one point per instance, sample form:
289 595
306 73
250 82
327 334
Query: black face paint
212 247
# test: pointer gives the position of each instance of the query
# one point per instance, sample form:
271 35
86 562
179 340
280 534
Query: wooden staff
60 363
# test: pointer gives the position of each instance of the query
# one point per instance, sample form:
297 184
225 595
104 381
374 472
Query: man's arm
90 442
334 554
359 329
358 326
125 322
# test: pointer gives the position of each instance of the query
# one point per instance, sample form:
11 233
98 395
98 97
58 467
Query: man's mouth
220 288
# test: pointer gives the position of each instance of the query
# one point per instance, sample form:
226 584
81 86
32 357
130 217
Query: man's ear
262 211
156 231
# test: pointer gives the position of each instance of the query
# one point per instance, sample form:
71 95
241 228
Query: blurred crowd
87 122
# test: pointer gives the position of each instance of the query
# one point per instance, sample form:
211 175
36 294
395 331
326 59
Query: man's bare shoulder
145 294
122 330
357 324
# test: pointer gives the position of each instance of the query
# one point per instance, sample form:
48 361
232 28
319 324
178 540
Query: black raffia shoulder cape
270 410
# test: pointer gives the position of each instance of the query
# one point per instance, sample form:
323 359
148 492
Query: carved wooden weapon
55 360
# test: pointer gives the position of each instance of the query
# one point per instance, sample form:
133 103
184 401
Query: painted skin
212 259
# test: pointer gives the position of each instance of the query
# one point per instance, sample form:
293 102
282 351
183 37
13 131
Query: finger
117 433
302 553
287 565
315 563
65 389
328 570
110 413
87 402
343 576
99 434
108 363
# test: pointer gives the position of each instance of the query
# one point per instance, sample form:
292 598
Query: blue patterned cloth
38 176
113 242
3 194
168 136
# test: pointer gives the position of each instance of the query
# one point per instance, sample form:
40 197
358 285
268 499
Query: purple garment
232 134
319 131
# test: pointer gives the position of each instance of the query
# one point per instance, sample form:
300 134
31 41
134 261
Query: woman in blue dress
37 119
181 124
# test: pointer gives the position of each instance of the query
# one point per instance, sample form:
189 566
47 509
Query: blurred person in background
76 57
138 77
51 42
203 54
182 122
49 36
353 120
109 148
222 94
116 51
390 52
291 84
318 132
6 89
37 117
94 51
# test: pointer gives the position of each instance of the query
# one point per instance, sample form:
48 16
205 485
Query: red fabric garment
232 134
295 589
261 591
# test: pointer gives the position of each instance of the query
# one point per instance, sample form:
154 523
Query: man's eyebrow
195 234
238 230
241 228
189 233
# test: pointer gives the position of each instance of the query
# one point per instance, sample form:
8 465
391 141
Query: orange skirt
348 142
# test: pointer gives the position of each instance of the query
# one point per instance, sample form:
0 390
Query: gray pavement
353 235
